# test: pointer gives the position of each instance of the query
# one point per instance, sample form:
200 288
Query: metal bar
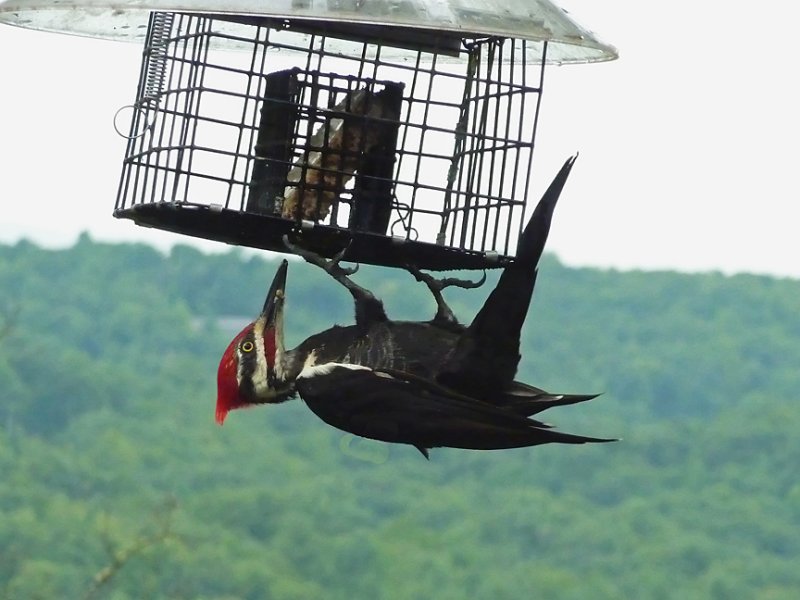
273 148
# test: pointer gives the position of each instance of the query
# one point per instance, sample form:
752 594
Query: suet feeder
401 130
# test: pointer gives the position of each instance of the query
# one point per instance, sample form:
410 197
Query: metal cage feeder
403 133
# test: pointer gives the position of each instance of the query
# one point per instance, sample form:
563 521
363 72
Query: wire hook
148 125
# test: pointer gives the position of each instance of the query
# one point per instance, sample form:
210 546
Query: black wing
393 406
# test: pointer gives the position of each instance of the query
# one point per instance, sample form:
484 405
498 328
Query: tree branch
163 517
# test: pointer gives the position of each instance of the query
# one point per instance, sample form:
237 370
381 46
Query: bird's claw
334 263
463 283
439 284
444 313
331 266
368 308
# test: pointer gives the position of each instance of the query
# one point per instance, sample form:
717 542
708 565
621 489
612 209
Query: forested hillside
116 483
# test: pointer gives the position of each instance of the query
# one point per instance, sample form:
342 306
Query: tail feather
499 439
534 236
487 353
507 305
548 436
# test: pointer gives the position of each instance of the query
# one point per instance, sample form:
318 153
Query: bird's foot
368 307
334 263
331 266
444 313
445 282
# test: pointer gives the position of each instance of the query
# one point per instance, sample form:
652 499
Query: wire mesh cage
400 145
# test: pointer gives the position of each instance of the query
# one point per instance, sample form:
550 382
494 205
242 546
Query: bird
428 384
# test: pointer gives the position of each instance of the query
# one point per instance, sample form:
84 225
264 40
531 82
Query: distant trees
107 389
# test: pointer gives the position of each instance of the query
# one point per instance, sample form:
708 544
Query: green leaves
107 385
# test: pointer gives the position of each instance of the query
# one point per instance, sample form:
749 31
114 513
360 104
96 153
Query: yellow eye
247 346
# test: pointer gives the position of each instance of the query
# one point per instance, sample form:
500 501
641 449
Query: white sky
689 143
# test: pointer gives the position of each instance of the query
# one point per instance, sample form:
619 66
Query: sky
689 156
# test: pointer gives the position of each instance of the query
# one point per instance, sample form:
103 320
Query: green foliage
107 385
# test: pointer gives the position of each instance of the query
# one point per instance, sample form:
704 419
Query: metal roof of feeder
537 20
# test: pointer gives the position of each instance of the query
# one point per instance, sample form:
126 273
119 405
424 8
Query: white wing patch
312 370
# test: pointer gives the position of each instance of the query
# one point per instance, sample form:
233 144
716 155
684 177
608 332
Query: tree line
117 483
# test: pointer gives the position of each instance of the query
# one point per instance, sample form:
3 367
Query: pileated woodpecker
429 384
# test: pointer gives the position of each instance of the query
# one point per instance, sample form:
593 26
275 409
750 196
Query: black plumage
430 383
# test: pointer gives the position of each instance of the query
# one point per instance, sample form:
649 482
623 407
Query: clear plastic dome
538 20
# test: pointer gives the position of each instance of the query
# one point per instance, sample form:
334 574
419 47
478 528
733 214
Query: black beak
274 300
